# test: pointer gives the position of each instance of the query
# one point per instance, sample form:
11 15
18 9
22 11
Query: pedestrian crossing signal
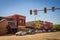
35 12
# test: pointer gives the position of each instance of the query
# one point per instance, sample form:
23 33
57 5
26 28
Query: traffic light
35 12
53 9
45 10
30 12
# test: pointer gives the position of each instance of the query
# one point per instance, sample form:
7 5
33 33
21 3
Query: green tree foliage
56 26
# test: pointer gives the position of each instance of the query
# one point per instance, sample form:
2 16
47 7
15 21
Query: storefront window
22 21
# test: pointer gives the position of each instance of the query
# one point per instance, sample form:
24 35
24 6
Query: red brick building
16 21
18 18
47 24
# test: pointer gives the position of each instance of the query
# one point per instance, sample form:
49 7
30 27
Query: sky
22 7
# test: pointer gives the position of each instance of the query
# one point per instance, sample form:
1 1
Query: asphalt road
38 36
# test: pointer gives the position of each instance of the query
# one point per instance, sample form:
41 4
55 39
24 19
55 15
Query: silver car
21 33
30 31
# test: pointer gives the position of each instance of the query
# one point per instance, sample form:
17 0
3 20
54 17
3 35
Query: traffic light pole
50 9
45 10
35 17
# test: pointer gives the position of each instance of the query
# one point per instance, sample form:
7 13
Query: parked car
21 33
51 30
39 31
31 31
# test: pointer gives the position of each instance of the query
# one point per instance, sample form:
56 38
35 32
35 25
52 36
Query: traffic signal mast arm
50 9
45 10
57 8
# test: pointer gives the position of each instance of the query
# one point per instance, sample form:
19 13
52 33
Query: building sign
22 17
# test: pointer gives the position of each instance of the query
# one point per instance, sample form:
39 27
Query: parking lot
37 36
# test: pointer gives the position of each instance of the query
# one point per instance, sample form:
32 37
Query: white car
20 33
